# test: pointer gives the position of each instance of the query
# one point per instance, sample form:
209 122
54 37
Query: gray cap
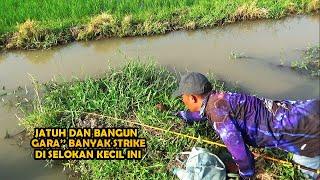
193 83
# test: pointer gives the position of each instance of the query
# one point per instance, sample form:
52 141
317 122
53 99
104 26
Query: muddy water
15 153
263 45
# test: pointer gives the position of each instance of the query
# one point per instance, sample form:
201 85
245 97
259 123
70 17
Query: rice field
42 24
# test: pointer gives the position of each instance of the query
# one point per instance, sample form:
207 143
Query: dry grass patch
27 31
314 5
126 26
249 11
101 25
190 25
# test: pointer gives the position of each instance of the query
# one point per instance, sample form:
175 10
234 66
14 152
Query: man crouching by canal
243 120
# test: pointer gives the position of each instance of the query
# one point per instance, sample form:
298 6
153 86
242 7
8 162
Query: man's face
192 102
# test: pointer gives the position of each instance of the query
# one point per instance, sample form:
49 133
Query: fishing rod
274 159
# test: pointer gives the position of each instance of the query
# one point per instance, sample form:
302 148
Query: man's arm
219 113
232 138
189 117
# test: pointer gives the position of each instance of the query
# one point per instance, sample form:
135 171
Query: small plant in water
236 55
282 57
309 62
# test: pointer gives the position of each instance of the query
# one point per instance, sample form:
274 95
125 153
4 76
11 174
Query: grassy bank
30 24
133 92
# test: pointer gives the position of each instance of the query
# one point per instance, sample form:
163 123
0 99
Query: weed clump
154 27
127 26
249 11
30 35
190 25
101 25
309 63
314 6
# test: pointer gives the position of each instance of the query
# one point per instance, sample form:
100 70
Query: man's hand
232 167
188 116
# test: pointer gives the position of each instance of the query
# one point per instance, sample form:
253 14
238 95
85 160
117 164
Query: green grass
131 92
309 62
61 21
